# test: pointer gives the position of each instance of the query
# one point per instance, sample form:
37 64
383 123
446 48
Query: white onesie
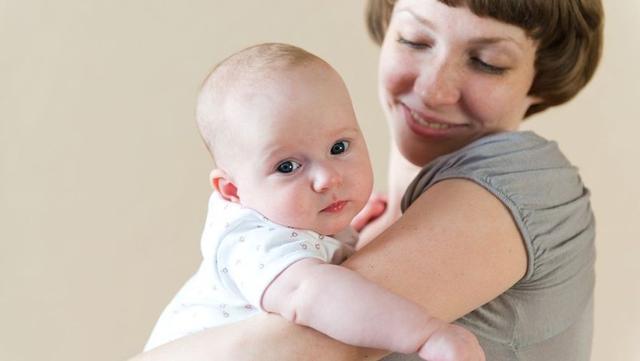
243 252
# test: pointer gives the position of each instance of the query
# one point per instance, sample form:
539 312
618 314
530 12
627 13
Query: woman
495 230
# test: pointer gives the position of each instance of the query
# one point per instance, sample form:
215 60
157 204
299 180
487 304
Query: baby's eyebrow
276 153
347 129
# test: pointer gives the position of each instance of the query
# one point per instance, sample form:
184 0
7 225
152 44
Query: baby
291 172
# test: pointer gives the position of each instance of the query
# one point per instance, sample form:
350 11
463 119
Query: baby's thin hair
263 57
243 68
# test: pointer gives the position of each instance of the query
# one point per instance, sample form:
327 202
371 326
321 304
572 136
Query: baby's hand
452 343
374 208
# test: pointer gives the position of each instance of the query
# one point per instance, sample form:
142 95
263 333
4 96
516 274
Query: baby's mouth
335 207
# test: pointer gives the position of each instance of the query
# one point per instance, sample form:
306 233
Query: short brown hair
568 33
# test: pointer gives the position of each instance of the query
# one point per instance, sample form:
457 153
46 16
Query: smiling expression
447 77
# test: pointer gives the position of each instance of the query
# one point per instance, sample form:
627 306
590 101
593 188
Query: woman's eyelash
487 68
475 62
413 44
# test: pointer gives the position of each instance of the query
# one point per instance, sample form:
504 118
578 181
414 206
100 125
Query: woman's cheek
484 102
395 71
392 84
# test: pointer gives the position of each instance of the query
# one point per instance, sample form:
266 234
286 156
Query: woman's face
447 77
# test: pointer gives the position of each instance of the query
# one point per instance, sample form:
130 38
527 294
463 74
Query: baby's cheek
363 187
292 213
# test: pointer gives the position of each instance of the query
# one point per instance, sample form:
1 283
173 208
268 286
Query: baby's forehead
270 92
243 78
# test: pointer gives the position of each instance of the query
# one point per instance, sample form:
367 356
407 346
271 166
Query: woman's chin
417 155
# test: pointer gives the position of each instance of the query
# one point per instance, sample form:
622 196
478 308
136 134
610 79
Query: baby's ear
223 184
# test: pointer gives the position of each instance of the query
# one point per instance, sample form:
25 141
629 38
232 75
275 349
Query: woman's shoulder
504 152
513 163
530 175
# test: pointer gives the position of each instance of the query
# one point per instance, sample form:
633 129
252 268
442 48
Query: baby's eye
340 147
288 166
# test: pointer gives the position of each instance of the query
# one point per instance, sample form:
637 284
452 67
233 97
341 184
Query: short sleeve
549 311
537 184
251 256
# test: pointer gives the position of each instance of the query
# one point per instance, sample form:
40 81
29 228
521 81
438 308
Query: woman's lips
335 207
429 126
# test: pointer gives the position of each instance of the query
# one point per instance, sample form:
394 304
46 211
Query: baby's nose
326 177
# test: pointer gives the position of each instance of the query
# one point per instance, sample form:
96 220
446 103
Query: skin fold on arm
435 255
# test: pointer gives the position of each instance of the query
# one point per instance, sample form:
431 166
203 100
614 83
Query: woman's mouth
433 125
428 126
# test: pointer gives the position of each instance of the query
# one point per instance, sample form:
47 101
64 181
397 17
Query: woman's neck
401 174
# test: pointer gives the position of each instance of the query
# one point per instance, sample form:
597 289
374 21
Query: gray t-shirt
548 314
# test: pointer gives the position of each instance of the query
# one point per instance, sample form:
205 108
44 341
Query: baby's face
301 159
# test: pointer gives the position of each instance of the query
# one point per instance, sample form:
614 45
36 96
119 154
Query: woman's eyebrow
424 21
496 39
476 41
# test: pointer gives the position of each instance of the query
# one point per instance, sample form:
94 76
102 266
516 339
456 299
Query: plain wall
103 177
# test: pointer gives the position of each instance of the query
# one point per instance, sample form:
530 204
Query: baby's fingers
374 208
452 343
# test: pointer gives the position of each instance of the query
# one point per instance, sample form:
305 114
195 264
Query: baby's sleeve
250 258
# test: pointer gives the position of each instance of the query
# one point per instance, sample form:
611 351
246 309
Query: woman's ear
533 100
223 184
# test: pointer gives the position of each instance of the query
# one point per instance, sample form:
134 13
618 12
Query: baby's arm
344 305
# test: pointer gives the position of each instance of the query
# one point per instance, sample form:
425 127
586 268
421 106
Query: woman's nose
325 177
438 83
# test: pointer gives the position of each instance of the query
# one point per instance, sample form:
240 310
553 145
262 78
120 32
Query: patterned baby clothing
243 252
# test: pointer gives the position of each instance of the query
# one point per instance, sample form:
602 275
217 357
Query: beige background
103 179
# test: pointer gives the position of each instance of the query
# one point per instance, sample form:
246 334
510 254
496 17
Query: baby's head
281 128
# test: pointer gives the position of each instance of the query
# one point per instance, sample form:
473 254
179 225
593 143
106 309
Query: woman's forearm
264 337
443 269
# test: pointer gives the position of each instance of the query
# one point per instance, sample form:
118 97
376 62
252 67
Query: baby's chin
332 229
327 228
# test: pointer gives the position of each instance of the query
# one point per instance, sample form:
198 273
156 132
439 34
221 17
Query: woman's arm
456 248
263 337
453 250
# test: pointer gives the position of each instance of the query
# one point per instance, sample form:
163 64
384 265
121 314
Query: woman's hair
568 33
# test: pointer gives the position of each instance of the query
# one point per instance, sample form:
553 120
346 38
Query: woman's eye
486 67
288 166
340 147
413 44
